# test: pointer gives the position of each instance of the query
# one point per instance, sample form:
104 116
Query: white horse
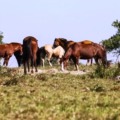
48 50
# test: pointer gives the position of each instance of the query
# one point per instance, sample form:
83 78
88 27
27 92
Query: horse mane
63 39
15 43
69 43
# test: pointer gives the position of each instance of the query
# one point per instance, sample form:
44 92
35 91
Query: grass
58 97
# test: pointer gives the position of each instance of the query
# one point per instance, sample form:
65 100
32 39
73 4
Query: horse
84 51
89 61
50 52
67 43
41 54
19 58
30 48
8 49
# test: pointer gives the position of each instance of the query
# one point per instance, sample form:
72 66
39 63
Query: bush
108 73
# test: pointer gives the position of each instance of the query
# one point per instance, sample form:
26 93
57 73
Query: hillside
53 95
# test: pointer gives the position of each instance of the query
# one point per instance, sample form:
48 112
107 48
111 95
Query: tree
1 37
113 43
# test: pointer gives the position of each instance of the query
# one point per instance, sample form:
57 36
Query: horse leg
49 58
77 67
25 71
50 63
104 62
6 59
76 61
35 64
32 62
91 61
97 61
88 60
63 64
43 62
28 65
58 61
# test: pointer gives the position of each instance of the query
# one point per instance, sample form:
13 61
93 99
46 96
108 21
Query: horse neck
100 46
63 42
16 47
69 43
68 53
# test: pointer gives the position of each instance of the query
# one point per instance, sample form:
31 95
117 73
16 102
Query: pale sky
47 19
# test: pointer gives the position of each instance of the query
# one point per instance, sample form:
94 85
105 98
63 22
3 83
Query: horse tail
27 49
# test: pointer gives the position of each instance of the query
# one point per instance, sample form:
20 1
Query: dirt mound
51 71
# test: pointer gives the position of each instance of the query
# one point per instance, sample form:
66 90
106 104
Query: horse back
84 51
58 51
30 47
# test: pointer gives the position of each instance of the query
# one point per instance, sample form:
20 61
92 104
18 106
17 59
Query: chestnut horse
30 48
66 44
50 52
84 51
7 50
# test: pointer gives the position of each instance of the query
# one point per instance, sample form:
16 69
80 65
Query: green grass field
58 97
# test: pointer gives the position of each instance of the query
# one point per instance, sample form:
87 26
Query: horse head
20 48
59 42
17 47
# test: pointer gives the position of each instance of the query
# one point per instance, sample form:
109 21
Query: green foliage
113 43
1 37
106 73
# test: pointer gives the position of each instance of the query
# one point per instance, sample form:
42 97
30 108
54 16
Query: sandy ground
48 71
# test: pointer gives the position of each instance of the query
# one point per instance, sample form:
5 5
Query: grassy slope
58 97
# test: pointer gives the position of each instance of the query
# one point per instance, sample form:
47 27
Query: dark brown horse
19 58
63 42
30 48
84 51
41 54
7 50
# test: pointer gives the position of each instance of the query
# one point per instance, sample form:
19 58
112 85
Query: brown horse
7 50
66 44
84 51
30 48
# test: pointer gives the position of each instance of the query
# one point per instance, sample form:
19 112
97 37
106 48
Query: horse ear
55 39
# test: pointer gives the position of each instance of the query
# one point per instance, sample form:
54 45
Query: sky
46 20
